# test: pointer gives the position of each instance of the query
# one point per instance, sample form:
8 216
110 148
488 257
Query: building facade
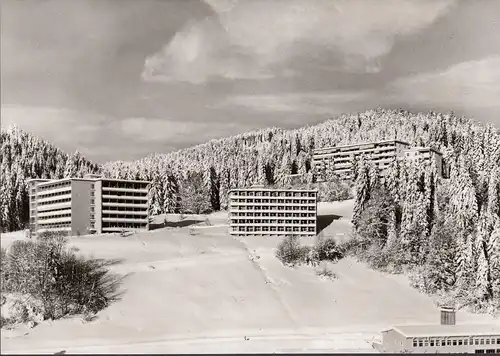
339 159
442 338
262 211
426 154
86 205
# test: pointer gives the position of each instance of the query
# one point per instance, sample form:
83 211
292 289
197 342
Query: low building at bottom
443 338
86 205
266 211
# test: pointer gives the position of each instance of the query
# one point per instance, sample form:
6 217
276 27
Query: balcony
125 212
125 205
119 229
125 190
125 220
56 212
56 197
43 193
63 205
124 197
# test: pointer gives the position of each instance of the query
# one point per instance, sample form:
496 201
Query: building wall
98 206
53 206
81 202
78 206
272 212
381 153
394 342
125 205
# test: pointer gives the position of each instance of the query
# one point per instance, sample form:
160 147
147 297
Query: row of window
279 215
436 342
54 186
55 194
126 185
107 224
279 207
54 225
347 150
57 201
272 229
34 213
117 216
274 201
243 193
126 194
123 208
488 351
41 218
122 201
265 221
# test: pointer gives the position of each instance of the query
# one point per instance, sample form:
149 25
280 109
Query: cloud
258 39
473 85
141 129
297 103
103 138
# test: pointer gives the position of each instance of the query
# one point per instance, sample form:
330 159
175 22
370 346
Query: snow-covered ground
210 292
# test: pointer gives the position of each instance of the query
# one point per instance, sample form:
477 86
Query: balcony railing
124 197
56 197
125 220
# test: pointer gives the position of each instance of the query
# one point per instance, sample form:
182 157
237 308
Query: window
432 342
487 341
482 342
476 342
498 341
420 343
448 342
466 342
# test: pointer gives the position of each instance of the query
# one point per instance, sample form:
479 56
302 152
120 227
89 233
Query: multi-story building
425 154
339 159
88 205
446 337
263 211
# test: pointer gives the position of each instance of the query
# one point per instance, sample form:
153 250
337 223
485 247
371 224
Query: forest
444 232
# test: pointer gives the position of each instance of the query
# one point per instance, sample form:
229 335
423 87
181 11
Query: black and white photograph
250 176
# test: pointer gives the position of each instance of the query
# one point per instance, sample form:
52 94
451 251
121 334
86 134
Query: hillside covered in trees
444 232
24 156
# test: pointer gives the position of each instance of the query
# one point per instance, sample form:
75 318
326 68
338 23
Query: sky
120 79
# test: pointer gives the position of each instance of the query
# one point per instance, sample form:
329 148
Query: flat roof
48 182
423 149
448 330
361 144
275 190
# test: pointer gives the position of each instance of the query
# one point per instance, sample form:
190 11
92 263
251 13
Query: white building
88 205
264 211
381 153
425 154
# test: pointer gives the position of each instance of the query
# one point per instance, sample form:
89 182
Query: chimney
448 316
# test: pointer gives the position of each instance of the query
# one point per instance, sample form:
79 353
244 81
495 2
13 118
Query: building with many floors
265 211
381 153
446 337
88 205
425 154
